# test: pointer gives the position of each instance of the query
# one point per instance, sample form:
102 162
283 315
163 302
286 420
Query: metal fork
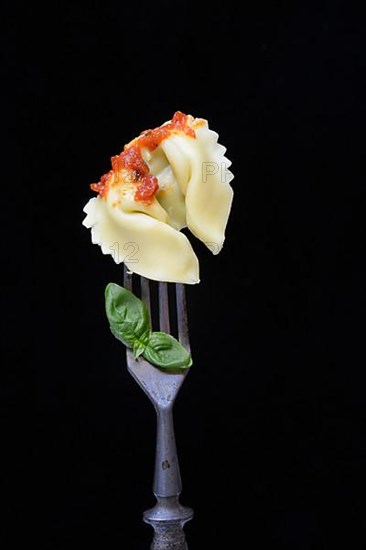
168 516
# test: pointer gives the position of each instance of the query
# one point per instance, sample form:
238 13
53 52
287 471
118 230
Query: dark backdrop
270 422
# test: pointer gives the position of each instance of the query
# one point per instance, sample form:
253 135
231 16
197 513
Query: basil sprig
130 323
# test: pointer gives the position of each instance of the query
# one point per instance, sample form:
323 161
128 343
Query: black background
270 422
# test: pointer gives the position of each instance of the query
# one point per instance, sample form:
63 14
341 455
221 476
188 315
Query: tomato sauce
131 159
102 187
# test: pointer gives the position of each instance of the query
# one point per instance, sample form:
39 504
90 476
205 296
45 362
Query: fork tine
164 308
127 278
182 319
145 293
164 320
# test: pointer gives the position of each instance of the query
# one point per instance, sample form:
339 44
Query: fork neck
167 480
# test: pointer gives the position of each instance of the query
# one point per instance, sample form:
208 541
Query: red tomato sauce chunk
132 161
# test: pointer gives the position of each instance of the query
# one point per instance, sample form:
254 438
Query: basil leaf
138 348
128 317
164 351
129 322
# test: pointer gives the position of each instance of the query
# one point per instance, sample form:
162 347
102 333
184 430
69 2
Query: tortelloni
172 177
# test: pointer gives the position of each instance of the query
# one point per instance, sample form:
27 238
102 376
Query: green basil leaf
138 347
128 317
164 351
129 322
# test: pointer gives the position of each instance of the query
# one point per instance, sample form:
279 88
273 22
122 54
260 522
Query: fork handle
168 516
168 536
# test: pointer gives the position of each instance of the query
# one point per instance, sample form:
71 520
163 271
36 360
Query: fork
168 516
